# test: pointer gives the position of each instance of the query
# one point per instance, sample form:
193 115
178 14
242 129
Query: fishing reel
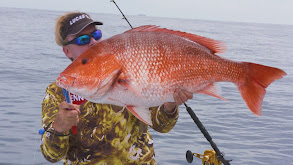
209 157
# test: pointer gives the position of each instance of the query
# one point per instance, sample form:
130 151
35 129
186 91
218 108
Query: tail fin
253 89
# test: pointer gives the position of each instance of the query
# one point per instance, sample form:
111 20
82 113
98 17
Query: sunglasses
85 39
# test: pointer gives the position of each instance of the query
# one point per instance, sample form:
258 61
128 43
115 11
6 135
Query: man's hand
65 119
180 96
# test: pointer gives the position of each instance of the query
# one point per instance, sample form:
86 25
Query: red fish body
142 67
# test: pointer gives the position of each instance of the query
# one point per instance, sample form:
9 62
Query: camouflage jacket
107 134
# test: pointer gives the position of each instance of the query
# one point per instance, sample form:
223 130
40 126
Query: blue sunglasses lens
82 40
97 34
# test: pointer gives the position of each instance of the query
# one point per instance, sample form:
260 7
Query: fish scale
142 67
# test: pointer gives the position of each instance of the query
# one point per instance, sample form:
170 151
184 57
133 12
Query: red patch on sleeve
77 99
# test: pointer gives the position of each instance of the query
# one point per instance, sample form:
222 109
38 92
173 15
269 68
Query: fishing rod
122 13
219 154
211 157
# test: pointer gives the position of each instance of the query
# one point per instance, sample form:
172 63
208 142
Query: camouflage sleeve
163 122
53 147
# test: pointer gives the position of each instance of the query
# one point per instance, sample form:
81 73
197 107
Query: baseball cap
76 23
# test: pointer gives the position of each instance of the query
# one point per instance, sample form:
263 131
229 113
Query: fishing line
42 131
36 145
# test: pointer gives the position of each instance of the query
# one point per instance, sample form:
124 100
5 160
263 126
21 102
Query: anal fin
213 90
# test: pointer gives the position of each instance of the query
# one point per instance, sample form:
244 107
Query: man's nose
92 41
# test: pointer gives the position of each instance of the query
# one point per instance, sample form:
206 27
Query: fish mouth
65 81
107 84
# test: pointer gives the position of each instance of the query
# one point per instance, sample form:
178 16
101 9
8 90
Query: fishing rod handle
67 98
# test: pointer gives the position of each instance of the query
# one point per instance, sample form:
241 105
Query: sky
256 11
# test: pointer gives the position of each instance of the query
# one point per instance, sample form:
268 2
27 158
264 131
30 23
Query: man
107 134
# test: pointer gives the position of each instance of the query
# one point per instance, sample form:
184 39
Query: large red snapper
142 67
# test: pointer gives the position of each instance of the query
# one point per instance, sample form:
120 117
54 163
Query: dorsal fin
214 45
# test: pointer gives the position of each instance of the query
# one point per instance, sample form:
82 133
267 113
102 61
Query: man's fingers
76 121
68 106
65 105
73 121
68 120
72 113
181 96
77 108
177 98
189 95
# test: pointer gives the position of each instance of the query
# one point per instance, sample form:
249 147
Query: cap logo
80 17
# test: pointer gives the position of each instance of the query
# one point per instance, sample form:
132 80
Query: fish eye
84 61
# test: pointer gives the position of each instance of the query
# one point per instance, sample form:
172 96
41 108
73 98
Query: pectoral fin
127 83
142 113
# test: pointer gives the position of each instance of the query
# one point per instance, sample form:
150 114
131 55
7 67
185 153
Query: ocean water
30 60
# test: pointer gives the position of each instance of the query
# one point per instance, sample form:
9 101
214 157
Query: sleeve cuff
173 114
